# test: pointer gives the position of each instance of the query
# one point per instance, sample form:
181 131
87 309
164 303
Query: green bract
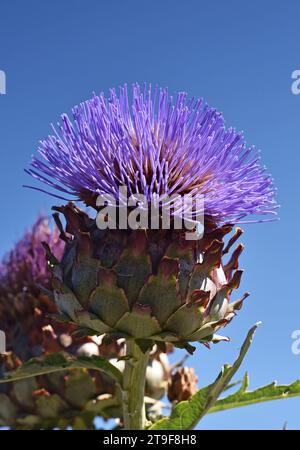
150 286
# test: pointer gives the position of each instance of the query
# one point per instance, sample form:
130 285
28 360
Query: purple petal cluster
154 144
25 266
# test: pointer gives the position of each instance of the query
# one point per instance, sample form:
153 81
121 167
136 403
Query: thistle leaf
185 415
266 393
56 362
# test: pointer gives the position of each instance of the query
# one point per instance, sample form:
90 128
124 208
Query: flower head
155 145
24 268
23 305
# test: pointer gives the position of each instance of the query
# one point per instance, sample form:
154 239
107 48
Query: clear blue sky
239 56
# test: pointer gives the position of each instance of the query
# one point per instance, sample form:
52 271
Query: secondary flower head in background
155 144
23 268
59 399
23 272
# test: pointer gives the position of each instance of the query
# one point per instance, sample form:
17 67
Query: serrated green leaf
59 361
266 393
185 415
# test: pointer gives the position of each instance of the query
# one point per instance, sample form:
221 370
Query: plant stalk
133 389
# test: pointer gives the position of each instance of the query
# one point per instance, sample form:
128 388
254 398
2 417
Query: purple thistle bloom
25 266
158 145
23 304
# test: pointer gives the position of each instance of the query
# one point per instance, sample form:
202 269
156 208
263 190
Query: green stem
134 387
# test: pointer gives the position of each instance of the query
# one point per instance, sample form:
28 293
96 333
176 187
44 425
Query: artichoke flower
149 284
24 287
